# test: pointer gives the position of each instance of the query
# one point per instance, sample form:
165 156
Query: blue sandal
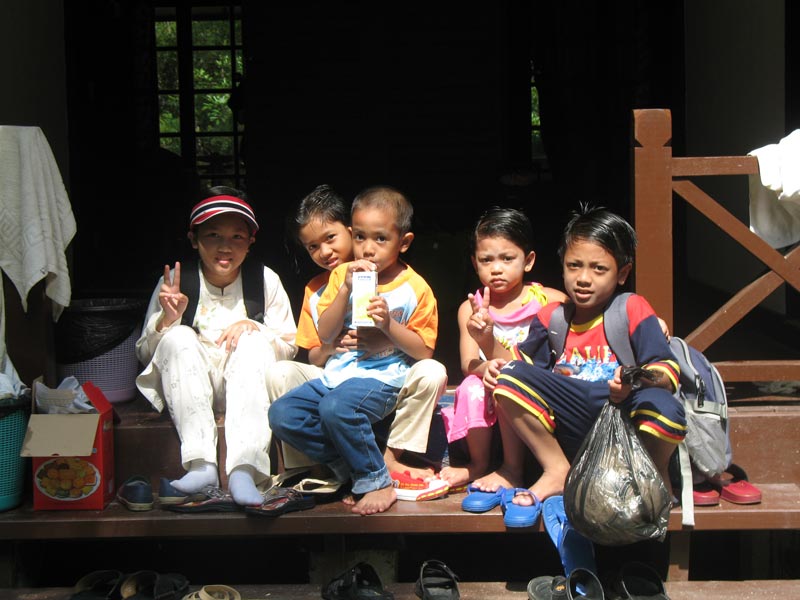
515 515
575 550
478 501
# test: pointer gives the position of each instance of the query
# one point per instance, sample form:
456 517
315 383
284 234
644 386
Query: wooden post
653 209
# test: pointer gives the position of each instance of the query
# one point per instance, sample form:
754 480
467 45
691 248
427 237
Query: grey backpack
706 451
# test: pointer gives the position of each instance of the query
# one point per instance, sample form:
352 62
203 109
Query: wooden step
780 509
763 438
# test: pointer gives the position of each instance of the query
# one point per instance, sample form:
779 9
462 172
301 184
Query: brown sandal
214 592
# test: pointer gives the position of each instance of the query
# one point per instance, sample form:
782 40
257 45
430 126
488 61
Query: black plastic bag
614 494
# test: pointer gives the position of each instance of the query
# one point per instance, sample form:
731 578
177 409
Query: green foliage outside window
213 75
537 147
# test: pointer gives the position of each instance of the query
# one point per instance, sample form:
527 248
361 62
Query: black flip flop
547 587
150 585
638 581
436 582
278 501
98 585
591 588
360 582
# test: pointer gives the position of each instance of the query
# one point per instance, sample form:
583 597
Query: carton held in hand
365 286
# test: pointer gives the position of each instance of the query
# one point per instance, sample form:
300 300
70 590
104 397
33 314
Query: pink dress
474 406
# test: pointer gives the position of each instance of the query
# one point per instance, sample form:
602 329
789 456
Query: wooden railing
657 174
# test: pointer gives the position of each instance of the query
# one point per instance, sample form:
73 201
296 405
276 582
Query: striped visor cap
217 205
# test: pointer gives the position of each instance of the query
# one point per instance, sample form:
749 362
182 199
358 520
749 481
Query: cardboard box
73 457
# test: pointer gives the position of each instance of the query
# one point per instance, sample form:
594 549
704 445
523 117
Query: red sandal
738 489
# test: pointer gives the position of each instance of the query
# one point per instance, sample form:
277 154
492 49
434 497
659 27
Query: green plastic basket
12 466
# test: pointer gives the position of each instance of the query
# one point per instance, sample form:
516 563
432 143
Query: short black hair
384 196
321 203
507 223
603 227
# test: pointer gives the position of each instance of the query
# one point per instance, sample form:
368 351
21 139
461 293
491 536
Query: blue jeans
334 427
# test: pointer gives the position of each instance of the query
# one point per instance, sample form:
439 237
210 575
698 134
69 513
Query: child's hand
480 325
664 328
172 301
378 310
372 341
230 337
492 371
346 342
357 265
618 391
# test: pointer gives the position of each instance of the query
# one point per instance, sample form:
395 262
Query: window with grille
200 79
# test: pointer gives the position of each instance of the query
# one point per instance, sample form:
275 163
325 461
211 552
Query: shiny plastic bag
614 495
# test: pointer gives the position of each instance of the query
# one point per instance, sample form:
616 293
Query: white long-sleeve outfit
191 375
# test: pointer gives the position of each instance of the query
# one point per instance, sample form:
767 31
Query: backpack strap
558 330
252 290
615 325
687 489
190 285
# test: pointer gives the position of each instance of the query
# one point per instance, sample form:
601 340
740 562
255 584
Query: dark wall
431 98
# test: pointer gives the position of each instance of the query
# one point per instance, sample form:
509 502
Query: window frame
184 15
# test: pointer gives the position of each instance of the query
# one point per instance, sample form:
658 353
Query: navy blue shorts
568 407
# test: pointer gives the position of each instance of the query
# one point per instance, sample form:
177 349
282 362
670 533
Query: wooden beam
714 165
739 231
653 209
738 306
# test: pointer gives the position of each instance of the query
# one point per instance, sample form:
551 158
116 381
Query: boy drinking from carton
330 419
320 225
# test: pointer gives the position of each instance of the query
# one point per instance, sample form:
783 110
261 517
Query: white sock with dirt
200 475
243 486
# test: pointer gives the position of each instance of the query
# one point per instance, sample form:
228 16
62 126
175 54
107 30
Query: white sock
243 487
200 474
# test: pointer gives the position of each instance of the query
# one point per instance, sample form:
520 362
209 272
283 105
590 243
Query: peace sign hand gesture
173 302
480 324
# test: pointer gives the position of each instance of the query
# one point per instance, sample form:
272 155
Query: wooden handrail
657 174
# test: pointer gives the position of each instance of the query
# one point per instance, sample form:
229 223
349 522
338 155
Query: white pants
425 383
195 378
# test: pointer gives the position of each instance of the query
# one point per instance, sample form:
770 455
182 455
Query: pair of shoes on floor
566 588
436 582
141 585
136 494
514 515
214 592
575 550
736 489
635 581
278 501
360 581
98 585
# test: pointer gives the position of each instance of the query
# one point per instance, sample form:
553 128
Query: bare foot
500 478
392 459
458 476
549 484
348 500
375 502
